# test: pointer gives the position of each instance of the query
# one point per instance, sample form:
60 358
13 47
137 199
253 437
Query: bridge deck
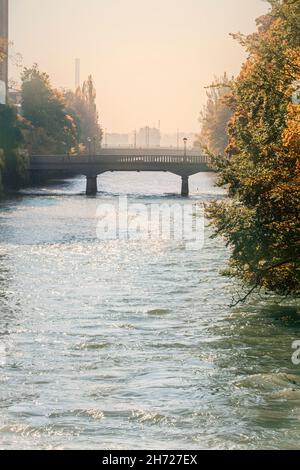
124 160
166 160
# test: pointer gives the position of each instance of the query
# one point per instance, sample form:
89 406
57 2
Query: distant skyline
150 59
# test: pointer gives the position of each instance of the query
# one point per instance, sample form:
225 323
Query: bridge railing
127 159
165 159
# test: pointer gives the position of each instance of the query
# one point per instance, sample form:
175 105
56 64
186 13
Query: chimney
77 74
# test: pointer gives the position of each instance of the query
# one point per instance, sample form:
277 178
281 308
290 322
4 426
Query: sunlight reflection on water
132 344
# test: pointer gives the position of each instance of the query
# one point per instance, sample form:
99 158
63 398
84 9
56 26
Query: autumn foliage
260 220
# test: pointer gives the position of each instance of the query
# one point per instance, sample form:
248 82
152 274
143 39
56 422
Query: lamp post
185 141
89 145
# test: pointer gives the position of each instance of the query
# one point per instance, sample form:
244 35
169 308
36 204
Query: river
120 344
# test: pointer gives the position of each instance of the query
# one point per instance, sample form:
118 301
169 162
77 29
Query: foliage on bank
82 105
50 122
12 157
261 171
50 129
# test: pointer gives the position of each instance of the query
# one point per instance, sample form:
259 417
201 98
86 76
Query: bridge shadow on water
134 185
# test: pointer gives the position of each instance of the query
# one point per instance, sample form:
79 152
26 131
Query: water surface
132 344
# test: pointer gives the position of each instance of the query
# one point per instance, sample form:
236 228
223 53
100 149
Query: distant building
176 140
116 140
3 51
148 137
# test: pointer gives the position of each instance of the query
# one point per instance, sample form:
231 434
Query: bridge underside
92 166
92 185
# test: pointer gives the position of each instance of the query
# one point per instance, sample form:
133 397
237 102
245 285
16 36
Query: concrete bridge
182 163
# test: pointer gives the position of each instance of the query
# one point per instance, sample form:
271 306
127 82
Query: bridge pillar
184 186
91 185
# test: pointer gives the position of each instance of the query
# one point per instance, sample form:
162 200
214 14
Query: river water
115 344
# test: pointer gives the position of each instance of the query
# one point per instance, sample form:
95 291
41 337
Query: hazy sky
150 59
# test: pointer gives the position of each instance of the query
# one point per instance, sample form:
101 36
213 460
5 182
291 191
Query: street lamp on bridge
185 141
89 145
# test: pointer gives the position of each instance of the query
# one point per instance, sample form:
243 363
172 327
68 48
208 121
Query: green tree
260 221
50 128
215 116
82 105
12 159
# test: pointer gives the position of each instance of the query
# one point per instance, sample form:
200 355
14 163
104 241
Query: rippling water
132 344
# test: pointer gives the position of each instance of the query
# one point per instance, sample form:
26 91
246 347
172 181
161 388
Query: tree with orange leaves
260 220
